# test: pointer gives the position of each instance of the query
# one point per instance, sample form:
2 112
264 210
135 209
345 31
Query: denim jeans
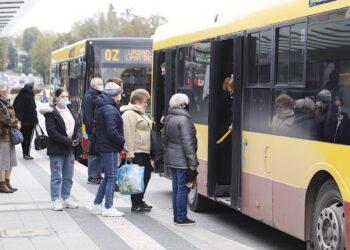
62 170
95 165
180 193
107 186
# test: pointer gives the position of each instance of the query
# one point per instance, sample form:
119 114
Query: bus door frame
236 173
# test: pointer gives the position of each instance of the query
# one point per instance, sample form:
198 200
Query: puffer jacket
59 143
179 140
25 107
109 125
137 130
7 122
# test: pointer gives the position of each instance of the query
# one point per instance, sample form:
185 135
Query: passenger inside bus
283 120
326 116
165 108
304 124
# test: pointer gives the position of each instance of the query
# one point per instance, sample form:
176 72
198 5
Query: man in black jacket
88 107
25 108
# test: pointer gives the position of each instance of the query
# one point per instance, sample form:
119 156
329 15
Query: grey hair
94 80
178 100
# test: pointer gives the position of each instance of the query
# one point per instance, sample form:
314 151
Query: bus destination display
115 55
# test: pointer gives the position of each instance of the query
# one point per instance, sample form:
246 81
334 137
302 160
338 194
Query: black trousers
27 132
142 159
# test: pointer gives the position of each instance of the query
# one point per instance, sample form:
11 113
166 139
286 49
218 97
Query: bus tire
328 231
197 202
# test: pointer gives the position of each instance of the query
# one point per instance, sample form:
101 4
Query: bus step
225 200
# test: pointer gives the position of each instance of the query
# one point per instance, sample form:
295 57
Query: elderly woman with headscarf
180 154
25 107
8 158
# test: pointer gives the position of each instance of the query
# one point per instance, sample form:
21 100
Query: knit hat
113 89
324 96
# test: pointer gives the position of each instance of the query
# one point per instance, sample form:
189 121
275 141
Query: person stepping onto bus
63 129
109 142
180 154
95 165
137 131
228 87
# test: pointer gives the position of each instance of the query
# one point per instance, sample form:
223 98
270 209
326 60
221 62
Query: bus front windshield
132 66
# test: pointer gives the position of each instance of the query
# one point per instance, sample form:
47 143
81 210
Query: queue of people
117 129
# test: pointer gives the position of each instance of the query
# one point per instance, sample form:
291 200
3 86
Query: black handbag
156 145
41 140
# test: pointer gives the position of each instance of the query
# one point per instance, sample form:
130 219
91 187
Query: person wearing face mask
63 130
137 131
8 157
25 107
304 125
95 165
109 142
283 120
326 116
180 155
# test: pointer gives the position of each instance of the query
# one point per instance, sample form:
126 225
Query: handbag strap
149 125
41 130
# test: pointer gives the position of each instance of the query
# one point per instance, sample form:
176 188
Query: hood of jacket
179 111
93 92
104 99
132 107
45 110
26 90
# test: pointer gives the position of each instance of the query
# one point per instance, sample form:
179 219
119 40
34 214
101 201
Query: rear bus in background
73 67
293 181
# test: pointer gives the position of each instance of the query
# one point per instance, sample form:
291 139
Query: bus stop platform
27 220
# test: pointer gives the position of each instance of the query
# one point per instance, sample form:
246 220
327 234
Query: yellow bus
73 66
296 180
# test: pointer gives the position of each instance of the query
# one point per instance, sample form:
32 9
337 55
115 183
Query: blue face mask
63 102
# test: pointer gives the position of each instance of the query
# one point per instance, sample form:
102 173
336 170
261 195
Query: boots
7 181
4 188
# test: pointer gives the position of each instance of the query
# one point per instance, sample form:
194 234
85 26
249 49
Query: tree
41 54
29 37
3 54
12 56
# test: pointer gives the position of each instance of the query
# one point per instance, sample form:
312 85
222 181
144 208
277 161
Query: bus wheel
197 202
328 218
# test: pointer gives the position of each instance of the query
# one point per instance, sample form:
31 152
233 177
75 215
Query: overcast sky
59 15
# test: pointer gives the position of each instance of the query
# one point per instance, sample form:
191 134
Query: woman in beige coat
137 133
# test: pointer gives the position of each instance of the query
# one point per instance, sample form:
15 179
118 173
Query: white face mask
100 88
8 98
318 104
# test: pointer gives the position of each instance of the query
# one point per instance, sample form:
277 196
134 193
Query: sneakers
69 203
27 157
140 208
97 209
184 222
94 180
145 205
112 212
57 205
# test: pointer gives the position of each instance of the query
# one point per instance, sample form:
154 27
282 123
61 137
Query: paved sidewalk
28 222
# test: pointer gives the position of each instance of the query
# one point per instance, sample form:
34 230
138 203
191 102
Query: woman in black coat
180 153
25 108
62 127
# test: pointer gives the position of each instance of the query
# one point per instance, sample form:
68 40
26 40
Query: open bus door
224 161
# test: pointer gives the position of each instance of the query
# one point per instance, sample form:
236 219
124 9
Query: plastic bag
130 179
